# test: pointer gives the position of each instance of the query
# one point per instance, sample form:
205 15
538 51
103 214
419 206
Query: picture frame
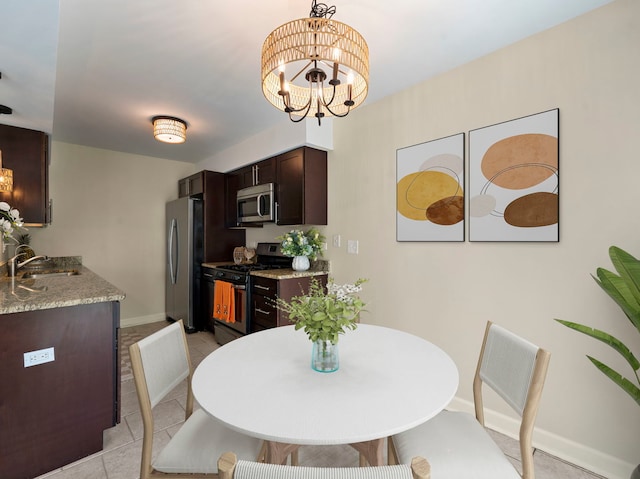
430 190
514 180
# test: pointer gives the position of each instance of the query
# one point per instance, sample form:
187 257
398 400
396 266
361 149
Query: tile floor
120 458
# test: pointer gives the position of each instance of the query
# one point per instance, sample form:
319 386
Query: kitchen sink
51 274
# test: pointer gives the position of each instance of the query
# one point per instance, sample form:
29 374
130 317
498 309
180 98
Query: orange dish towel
224 307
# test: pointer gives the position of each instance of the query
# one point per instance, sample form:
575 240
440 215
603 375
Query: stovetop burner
245 268
268 257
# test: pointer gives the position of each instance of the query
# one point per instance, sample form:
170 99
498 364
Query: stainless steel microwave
256 204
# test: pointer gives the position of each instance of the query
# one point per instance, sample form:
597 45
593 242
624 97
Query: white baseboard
137 321
560 447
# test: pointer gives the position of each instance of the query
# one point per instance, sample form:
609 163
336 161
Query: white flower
9 220
6 225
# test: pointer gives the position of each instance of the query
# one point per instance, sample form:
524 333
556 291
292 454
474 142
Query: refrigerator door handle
173 235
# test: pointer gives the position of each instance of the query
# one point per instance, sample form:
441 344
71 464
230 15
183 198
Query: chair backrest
159 362
230 468
515 369
164 361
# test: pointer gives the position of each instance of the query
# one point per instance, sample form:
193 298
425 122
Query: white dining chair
160 362
230 467
457 444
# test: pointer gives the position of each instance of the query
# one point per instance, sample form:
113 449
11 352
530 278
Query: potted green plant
324 315
302 246
624 289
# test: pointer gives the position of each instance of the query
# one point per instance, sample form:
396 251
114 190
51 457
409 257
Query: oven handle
239 286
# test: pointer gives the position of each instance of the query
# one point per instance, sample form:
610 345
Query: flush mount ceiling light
6 177
293 58
169 129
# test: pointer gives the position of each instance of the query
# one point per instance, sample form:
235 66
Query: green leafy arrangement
624 289
325 314
299 243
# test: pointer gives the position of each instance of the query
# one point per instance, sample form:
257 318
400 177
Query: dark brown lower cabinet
264 291
55 413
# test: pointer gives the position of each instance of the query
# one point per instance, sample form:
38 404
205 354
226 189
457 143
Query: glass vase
324 356
300 263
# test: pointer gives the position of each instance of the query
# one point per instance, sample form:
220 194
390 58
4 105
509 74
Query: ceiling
94 72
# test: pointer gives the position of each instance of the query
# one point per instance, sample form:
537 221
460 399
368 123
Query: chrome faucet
13 265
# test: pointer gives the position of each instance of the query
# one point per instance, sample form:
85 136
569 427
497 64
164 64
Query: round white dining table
263 385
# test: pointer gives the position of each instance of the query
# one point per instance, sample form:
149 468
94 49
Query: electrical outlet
324 246
336 241
352 246
40 356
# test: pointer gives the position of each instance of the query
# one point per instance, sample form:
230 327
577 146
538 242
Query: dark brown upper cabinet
259 173
300 176
26 152
192 185
302 187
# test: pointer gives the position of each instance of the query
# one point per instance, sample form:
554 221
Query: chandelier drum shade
169 129
315 66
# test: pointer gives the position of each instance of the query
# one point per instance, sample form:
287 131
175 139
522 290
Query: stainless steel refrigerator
185 252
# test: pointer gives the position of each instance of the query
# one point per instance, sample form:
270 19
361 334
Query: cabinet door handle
265 288
258 310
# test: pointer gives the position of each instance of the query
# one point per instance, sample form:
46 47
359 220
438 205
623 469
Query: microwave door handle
259 203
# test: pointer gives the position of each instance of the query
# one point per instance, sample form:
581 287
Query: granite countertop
318 268
19 294
286 273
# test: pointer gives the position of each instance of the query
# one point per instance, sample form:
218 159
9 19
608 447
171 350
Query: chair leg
294 458
392 456
262 455
363 461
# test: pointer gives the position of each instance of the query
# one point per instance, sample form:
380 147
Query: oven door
240 300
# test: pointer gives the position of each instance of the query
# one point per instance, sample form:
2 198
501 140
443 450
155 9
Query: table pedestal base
370 452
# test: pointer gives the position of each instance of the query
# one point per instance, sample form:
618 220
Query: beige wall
445 292
108 207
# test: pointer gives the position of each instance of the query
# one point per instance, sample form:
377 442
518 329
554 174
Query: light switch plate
336 241
352 246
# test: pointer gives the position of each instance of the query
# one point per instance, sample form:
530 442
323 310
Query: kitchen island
59 364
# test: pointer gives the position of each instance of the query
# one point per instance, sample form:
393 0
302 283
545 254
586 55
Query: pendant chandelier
294 59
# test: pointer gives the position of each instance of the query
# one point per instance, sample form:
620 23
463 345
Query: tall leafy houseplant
624 289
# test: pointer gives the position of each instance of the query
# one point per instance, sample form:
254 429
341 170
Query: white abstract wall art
430 190
514 180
